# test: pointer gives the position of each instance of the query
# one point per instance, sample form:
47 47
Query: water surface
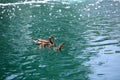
89 29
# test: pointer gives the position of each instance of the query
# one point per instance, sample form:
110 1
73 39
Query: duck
44 43
60 47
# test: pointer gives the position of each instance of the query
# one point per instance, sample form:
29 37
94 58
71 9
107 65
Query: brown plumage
44 43
60 47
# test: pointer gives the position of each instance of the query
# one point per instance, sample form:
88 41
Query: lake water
90 30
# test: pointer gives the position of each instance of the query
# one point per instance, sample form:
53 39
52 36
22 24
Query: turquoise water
89 28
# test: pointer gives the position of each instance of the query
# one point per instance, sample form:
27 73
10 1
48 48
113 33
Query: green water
89 28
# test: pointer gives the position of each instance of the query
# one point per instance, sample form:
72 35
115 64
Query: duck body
40 41
44 43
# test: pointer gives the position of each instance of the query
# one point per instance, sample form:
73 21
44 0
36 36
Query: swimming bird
60 47
44 43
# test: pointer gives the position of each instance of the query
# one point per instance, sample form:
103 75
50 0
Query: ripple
18 3
26 63
103 43
31 70
42 66
11 77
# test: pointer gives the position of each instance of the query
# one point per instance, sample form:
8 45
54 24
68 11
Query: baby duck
60 47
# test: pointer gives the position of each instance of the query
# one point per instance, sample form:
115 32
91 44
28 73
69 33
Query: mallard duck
44 43
60 47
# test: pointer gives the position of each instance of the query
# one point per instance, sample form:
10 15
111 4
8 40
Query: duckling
60 47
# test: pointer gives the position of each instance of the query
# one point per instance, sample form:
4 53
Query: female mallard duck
44 43
60 47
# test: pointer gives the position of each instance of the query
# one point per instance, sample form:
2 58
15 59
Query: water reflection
103 36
